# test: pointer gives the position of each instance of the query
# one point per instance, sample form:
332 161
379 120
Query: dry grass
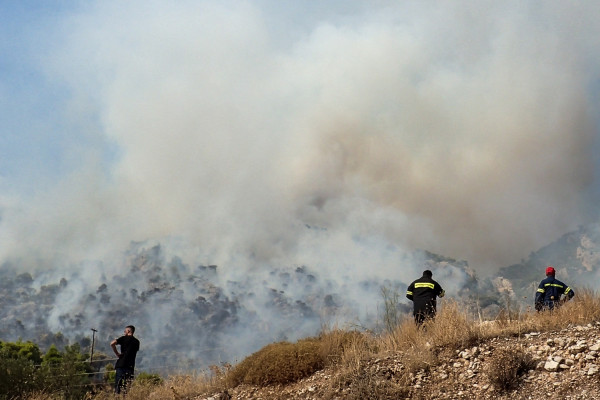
284 362
349 354
178 387
507 366
279 363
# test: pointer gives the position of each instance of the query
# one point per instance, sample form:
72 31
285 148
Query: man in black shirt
423 293
126 358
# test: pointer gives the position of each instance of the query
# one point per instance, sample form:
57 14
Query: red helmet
550 271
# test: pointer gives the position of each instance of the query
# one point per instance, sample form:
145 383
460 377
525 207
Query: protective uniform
550 290
423 293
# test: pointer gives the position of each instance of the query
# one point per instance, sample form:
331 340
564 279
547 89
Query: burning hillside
193 316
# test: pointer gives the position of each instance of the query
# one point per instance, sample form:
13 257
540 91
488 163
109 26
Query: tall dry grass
348 353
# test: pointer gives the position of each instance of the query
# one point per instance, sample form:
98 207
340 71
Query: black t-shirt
129 348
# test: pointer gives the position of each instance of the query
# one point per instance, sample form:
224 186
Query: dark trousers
423 313
123 378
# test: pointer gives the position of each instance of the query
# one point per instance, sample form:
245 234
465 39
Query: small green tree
68 372
52 356
22 350
17 369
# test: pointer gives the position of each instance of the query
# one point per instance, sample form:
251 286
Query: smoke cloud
465 129
256 133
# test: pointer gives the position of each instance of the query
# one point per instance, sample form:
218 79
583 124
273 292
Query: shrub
17 377
391 314
507 366
21 350
284 362
280 362
146 378
24 372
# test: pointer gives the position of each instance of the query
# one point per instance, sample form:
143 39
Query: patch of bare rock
565 365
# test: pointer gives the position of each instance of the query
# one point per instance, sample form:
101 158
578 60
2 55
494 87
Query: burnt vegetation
284 310
199 305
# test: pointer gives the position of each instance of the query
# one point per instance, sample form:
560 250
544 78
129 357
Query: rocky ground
561 365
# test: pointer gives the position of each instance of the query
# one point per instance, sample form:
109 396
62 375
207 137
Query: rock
551 366
558 359
595 347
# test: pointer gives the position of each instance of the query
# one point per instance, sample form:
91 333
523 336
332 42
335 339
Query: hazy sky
467 128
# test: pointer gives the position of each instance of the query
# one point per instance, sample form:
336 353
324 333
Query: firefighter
550 290
423 293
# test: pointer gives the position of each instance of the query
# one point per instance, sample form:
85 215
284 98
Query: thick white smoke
465 129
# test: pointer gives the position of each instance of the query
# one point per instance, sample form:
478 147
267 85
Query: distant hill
575 255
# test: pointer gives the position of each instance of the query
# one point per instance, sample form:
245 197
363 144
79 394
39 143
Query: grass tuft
507 366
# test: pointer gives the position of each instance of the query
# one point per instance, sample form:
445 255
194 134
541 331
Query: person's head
129 330
550 271
427 273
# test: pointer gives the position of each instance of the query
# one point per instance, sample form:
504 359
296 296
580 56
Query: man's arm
113 344
569 293
409 291
440 292
539 297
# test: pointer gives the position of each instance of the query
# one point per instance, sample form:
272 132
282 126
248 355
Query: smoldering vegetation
191 316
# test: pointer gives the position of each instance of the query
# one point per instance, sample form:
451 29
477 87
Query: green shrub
24 371
146 378
17 377
21 350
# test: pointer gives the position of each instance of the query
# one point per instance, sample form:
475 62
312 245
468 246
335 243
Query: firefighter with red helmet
423 293
550 291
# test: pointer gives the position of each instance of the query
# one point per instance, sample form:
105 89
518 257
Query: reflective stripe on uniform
443 293
554 284
409 292
568 290
540 290
424 285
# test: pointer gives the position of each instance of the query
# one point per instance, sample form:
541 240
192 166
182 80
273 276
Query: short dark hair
427 273
131 327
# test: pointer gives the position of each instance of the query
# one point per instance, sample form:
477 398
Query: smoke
251 134
466 129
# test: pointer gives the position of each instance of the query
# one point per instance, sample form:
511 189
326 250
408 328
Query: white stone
551 366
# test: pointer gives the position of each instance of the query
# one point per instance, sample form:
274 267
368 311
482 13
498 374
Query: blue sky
34 133
468 128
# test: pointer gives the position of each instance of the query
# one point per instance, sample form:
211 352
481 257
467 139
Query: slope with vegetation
529 356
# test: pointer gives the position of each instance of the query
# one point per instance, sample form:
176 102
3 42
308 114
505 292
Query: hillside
561 364
222 315
576 256
214 311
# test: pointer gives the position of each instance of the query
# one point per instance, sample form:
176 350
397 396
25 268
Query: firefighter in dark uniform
549 291
423 293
